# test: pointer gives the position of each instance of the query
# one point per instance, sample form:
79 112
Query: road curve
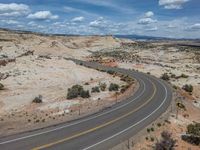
105 129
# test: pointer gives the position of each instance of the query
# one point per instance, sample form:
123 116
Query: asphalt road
105 129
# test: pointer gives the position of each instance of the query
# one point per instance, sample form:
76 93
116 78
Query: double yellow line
98 127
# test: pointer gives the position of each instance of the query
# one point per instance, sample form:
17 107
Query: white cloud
195 26
32 23
9 21
42 15
152 29
149 14
172 4
99 23
145 21
171 26
147 18
78 19
13 9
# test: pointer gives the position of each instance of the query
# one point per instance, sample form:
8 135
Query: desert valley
36 80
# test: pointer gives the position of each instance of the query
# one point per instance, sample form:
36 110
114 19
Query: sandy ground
38 68
156 61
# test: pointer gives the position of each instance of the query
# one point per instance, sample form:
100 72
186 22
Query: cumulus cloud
99 23
172 4
145 21
149 14
78 19
13 9
42 15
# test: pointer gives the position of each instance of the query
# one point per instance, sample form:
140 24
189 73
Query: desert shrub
183 76
95 89
37 99
173 76
167 121
148 130
74 91
77 90
180 105
103 86
1 86
124 88
152 129
175 87
166 143
188 88
152 139
126 78
85 94
37 120
159 124
113 87
165 77
194 129
111 72
192 139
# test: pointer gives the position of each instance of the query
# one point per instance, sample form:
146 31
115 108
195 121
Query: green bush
113 87
77 90
74 91
85 94
191 139
194 129
165 77
1 86
192 134
95 89
37 99
188 88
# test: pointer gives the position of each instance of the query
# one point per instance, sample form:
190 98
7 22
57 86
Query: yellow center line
97 127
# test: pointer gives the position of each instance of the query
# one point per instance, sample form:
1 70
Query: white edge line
133 124
59 128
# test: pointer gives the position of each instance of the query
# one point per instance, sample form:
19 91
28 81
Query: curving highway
105 129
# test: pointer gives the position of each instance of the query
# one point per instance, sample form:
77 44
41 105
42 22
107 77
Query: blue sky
166 18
